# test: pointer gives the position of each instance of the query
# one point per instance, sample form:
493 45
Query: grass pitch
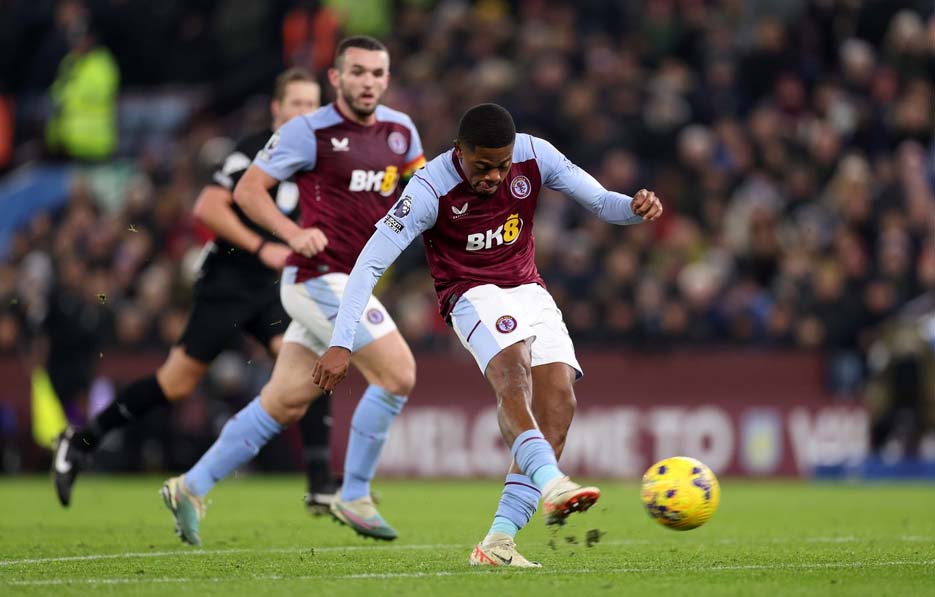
767 538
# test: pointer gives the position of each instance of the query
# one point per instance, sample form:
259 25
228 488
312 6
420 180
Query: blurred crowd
790 140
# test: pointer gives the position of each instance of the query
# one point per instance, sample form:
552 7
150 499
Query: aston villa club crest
506 324
520 187
397 142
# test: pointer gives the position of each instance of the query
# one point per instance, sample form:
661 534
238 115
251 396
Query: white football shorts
313 307
488 319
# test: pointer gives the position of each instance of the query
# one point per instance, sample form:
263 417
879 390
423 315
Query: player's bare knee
180 374
176 384
282 406
558 413
555 430
511 386
400 379
401 383
514 388
287 415
517 386
185 386
293 413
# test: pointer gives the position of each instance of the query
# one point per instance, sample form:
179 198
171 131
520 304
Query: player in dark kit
474 206
236 292
347 159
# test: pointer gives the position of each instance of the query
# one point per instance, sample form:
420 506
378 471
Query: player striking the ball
474 206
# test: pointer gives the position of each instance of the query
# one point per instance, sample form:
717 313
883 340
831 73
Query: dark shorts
216 324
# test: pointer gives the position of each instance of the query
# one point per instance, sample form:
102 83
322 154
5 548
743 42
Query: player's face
485 167
361 80
301 97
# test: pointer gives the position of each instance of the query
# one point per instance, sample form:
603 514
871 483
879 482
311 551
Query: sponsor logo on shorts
521 187
375 316
397 142
506 324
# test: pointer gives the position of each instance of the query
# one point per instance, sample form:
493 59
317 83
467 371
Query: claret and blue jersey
471 239
347 174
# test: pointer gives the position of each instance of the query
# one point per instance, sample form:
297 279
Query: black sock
131 403
316 442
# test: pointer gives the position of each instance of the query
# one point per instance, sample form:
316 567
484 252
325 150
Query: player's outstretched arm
214 209
561 174
378 254
412 215
252 195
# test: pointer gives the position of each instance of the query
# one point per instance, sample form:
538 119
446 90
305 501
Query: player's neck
352 116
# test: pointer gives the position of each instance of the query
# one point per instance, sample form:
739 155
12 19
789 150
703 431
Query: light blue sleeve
412 215
560 174
292 148
378 254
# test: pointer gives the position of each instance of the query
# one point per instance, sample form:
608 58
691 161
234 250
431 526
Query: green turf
767 539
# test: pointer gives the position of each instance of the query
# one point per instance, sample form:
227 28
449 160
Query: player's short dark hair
486 125
290 76
364 42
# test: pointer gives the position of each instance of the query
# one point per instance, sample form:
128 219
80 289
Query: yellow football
681 493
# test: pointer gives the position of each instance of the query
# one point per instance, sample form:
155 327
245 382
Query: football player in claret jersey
347 159
474 207
236 292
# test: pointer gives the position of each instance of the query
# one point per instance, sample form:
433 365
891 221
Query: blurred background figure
83 120
901 390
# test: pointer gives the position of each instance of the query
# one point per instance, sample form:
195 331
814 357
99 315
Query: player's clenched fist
331 368
308 242
646 204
